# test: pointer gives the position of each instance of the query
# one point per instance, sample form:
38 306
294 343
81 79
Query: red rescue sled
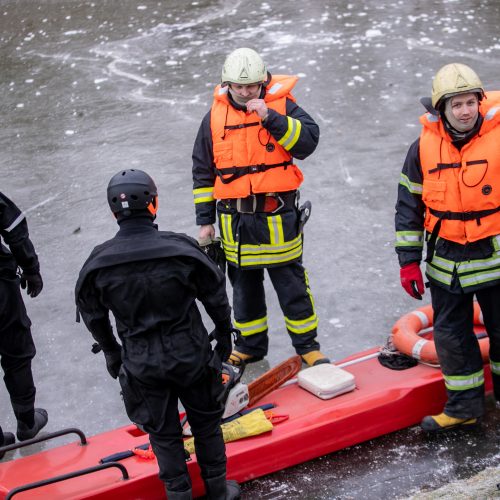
383 402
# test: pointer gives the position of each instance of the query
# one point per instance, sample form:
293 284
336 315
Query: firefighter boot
179 488
25 432
314 358
238 358
443 422
8 439
218 488
179 495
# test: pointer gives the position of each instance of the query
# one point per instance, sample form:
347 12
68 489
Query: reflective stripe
413 187
491 113
255 255
445 264
495 367
203 195
267 259
274 88
417 348
495 240
478 264
15 223
440 276
431 118
302 325
422 317
409 239
227 230
291 137
252 327
464 382
275 225
479 278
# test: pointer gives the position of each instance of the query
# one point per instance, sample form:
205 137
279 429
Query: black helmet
132 190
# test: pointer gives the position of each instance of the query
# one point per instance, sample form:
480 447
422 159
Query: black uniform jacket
14 232
150 281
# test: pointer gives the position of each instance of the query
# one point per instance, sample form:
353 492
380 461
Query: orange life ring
410 340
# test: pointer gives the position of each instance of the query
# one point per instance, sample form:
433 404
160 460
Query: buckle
281 203
247 205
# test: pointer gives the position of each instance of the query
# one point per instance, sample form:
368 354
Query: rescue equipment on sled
411 338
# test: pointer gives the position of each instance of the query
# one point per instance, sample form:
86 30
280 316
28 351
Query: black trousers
16 347
249 304
151 395
457 347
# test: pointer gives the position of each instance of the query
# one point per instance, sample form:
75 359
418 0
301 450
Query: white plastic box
326 380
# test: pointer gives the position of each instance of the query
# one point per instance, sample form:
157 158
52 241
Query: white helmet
453 79
244 66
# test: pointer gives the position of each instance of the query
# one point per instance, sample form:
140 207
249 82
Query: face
462 111
244 93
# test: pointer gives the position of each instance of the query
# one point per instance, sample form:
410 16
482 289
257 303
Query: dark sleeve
204 174
211 288
297 132
410 209
14 231
96 317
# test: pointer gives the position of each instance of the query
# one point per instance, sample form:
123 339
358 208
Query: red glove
412 280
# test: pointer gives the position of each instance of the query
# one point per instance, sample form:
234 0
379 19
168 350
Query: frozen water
92 87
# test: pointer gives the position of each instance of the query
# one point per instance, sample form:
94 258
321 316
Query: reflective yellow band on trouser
262 255
302 325
252 327
203 195
495 367
225 221
275 226
292 134
464 382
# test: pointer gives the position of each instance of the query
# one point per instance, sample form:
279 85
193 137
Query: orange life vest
248 159
461 189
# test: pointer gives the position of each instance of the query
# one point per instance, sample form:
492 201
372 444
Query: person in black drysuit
16 343
149 280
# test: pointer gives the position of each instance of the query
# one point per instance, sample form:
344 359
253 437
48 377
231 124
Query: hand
224 345
206 234
34 283
412 280
259 106
113 362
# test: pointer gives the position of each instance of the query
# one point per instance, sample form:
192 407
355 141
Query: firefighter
16 343
149 280
243 170
450 188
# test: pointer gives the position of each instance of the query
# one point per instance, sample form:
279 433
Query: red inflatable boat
384 401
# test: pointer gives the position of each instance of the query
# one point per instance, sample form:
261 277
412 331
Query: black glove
34 283
113 362
224 345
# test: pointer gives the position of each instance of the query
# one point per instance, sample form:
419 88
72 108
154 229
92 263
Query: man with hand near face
243 170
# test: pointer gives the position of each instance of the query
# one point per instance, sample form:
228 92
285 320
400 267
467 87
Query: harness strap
238 172
444 166
476 215
241 125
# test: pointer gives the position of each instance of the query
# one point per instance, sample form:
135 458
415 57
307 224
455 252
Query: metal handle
63 477
28 442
